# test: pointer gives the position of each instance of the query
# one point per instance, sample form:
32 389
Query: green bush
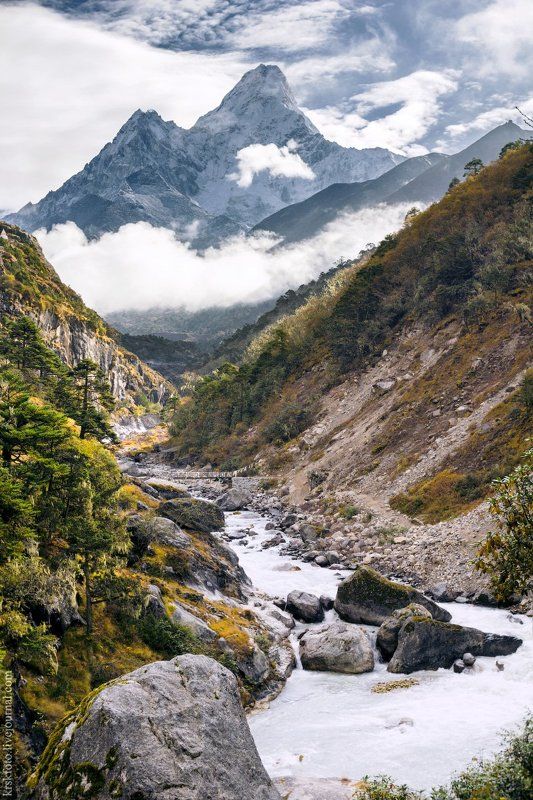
167 638
508 776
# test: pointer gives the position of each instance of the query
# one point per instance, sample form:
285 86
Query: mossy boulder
367 597
193 514
387 638
172 730
429 644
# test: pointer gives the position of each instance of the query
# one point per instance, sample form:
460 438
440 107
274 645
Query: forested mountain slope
30 286
408 380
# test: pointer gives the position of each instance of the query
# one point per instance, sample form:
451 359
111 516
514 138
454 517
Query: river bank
334 728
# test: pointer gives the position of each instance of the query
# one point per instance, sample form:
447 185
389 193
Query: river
326 725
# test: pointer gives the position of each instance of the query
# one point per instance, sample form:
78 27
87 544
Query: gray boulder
194 515
442 593
180 616
369 598
337 648
387 637
304 606
254 665
165 531
308 533
172 730
234 500
429 644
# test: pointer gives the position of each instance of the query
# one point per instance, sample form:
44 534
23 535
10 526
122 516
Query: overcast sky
410 75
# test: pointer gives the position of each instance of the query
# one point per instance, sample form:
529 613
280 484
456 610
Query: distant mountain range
423 179
189 180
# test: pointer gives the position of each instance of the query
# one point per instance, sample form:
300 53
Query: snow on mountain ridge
155 171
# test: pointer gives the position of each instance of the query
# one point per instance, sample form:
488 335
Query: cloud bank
141 267
270 158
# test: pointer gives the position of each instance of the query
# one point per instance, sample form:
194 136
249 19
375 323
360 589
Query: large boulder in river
387 638
369 598
304 606
337 648
428 644
234 499
193 514
172 730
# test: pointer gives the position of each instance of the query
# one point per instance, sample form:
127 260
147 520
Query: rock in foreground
369 598
173 730
337 648
428 644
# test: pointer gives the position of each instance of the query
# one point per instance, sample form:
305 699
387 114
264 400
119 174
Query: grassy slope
465 264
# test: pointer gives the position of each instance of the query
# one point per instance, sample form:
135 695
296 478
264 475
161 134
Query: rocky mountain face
30 286
423 179
186 180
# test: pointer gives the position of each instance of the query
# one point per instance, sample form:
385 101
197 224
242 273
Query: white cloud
501 36
371 55
418 95
488 120
290 28
67 87
270 158
141 267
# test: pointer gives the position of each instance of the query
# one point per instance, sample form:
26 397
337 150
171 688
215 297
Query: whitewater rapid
325 725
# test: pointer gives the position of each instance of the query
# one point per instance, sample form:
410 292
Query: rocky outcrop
429 644
74 331
304 606
387 636
181 616
369 598
145 530
194 515
234 500
337 648
172 730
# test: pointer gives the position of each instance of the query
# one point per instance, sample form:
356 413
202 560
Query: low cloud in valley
141 267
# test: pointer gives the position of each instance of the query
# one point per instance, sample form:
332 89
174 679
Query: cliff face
30 286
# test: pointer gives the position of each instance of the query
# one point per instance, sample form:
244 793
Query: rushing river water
332 726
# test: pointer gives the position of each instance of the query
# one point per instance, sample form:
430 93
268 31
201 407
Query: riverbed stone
304 606
326 602
429 644
338 647
235 500
171 730
387 636
369 598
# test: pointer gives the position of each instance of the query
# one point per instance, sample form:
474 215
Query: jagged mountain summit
189 180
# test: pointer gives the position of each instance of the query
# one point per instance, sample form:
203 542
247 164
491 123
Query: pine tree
474 167
93 401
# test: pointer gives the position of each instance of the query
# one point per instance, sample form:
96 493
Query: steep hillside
423 179
403 393
188 180
30 286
